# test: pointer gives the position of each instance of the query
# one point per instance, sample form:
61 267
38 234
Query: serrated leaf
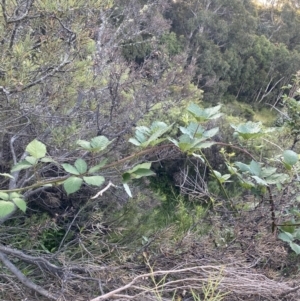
7 175
285 236
97 167
31 160
70 169
127 189
204 114
4 196
94 180
210 133
21 165
81 166
20 203
158 133
248 130
72 184
290 157
295 247
36 149
84 144
99 143
140 136
6 208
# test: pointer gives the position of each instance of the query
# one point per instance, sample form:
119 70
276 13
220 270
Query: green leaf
287 166
6 208
72 184
268 171
21 165
20 203
134 141
174 141
217 174
260 181
4 196
126 177
97 167
210 133
127 189
36 149
248 130
84 144
100 143
199 157
48 160
194 130
81 165
158 128
31 160
290 157
141 172
295 247
7 175
204 114
226 177
247 184
285 236
243 167
279 178
146 165
94 180
255 168
70 169
201 145
14 195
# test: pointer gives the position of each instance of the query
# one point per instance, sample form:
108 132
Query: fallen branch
240 281
24 280
39 261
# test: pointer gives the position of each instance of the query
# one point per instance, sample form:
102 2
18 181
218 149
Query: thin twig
100 193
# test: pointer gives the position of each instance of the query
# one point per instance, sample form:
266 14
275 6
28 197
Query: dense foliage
113 134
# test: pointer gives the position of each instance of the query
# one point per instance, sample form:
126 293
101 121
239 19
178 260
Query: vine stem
218 180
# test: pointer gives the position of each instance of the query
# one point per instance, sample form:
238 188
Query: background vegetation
149 150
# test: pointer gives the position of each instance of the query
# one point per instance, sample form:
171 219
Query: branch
39 261
24 280
56 69
100 193
143 276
